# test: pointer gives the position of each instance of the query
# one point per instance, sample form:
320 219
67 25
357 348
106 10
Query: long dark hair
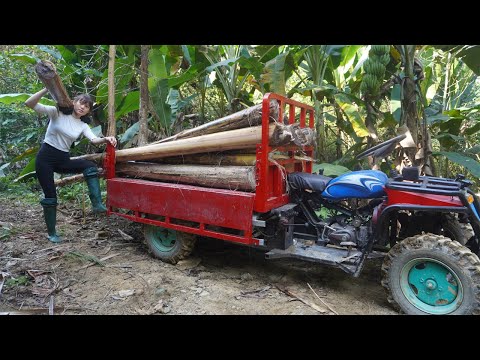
84 99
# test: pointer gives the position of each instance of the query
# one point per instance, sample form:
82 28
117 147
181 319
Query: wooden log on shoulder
47 73
251 116
222 177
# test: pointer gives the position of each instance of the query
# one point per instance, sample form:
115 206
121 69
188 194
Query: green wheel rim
431 286
162 239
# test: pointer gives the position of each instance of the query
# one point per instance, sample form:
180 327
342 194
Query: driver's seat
306 181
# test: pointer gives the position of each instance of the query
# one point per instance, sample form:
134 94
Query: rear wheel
169 245
431 274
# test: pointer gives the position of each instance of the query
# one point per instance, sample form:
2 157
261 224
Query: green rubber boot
50 214
93 183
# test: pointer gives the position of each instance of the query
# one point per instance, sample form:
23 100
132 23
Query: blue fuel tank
363 184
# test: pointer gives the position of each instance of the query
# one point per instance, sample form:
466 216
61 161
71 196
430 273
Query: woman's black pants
50 160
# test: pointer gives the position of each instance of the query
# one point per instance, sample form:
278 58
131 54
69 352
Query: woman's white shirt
63 129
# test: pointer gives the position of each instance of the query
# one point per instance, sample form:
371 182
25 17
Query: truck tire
431 274
169 245
453 230
449 227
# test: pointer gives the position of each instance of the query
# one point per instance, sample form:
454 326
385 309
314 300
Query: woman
65 126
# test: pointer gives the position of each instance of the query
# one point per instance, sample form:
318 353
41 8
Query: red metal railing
271 183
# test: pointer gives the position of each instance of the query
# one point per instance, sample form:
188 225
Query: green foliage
395 102
19 281
353 115
27 191
273 78
330 169
5 232
324 213
469 54
129 103
8 99
468 163
77 194
19 132
84 257
208 82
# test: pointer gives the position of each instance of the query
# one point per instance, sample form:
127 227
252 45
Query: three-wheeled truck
416 223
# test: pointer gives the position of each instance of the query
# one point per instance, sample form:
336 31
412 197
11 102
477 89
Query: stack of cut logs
218 154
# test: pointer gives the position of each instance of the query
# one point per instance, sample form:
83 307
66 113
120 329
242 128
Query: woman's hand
111 139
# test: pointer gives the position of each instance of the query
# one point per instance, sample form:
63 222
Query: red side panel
406 197
271 189
226 208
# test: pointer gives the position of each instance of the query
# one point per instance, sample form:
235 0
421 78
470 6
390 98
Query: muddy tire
169 245
431 274
467 230
454 230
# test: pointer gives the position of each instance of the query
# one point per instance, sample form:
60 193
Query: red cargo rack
217 213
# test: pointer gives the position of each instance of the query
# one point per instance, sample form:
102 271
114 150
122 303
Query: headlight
470 198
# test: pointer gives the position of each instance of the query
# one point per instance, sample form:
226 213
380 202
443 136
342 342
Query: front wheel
431 274
452 229
169 245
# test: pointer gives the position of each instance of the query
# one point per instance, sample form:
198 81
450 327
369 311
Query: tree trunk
223 177
251 116
228 140
47 73
98 158
112 129
320 128
339 121
279 135
143 126
211 159
223 159
409 100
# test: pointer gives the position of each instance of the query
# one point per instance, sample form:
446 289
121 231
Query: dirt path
218 278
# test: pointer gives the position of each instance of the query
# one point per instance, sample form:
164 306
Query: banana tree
414 99
313 61
239 70
449 91
331 80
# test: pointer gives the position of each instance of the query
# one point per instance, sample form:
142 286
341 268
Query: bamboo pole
227 140
144 96
74 179
112 128
234 157
279 135
96 158
251 116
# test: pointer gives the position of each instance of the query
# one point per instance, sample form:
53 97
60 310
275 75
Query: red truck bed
218 213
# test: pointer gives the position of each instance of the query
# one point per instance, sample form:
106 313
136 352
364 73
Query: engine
345 235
